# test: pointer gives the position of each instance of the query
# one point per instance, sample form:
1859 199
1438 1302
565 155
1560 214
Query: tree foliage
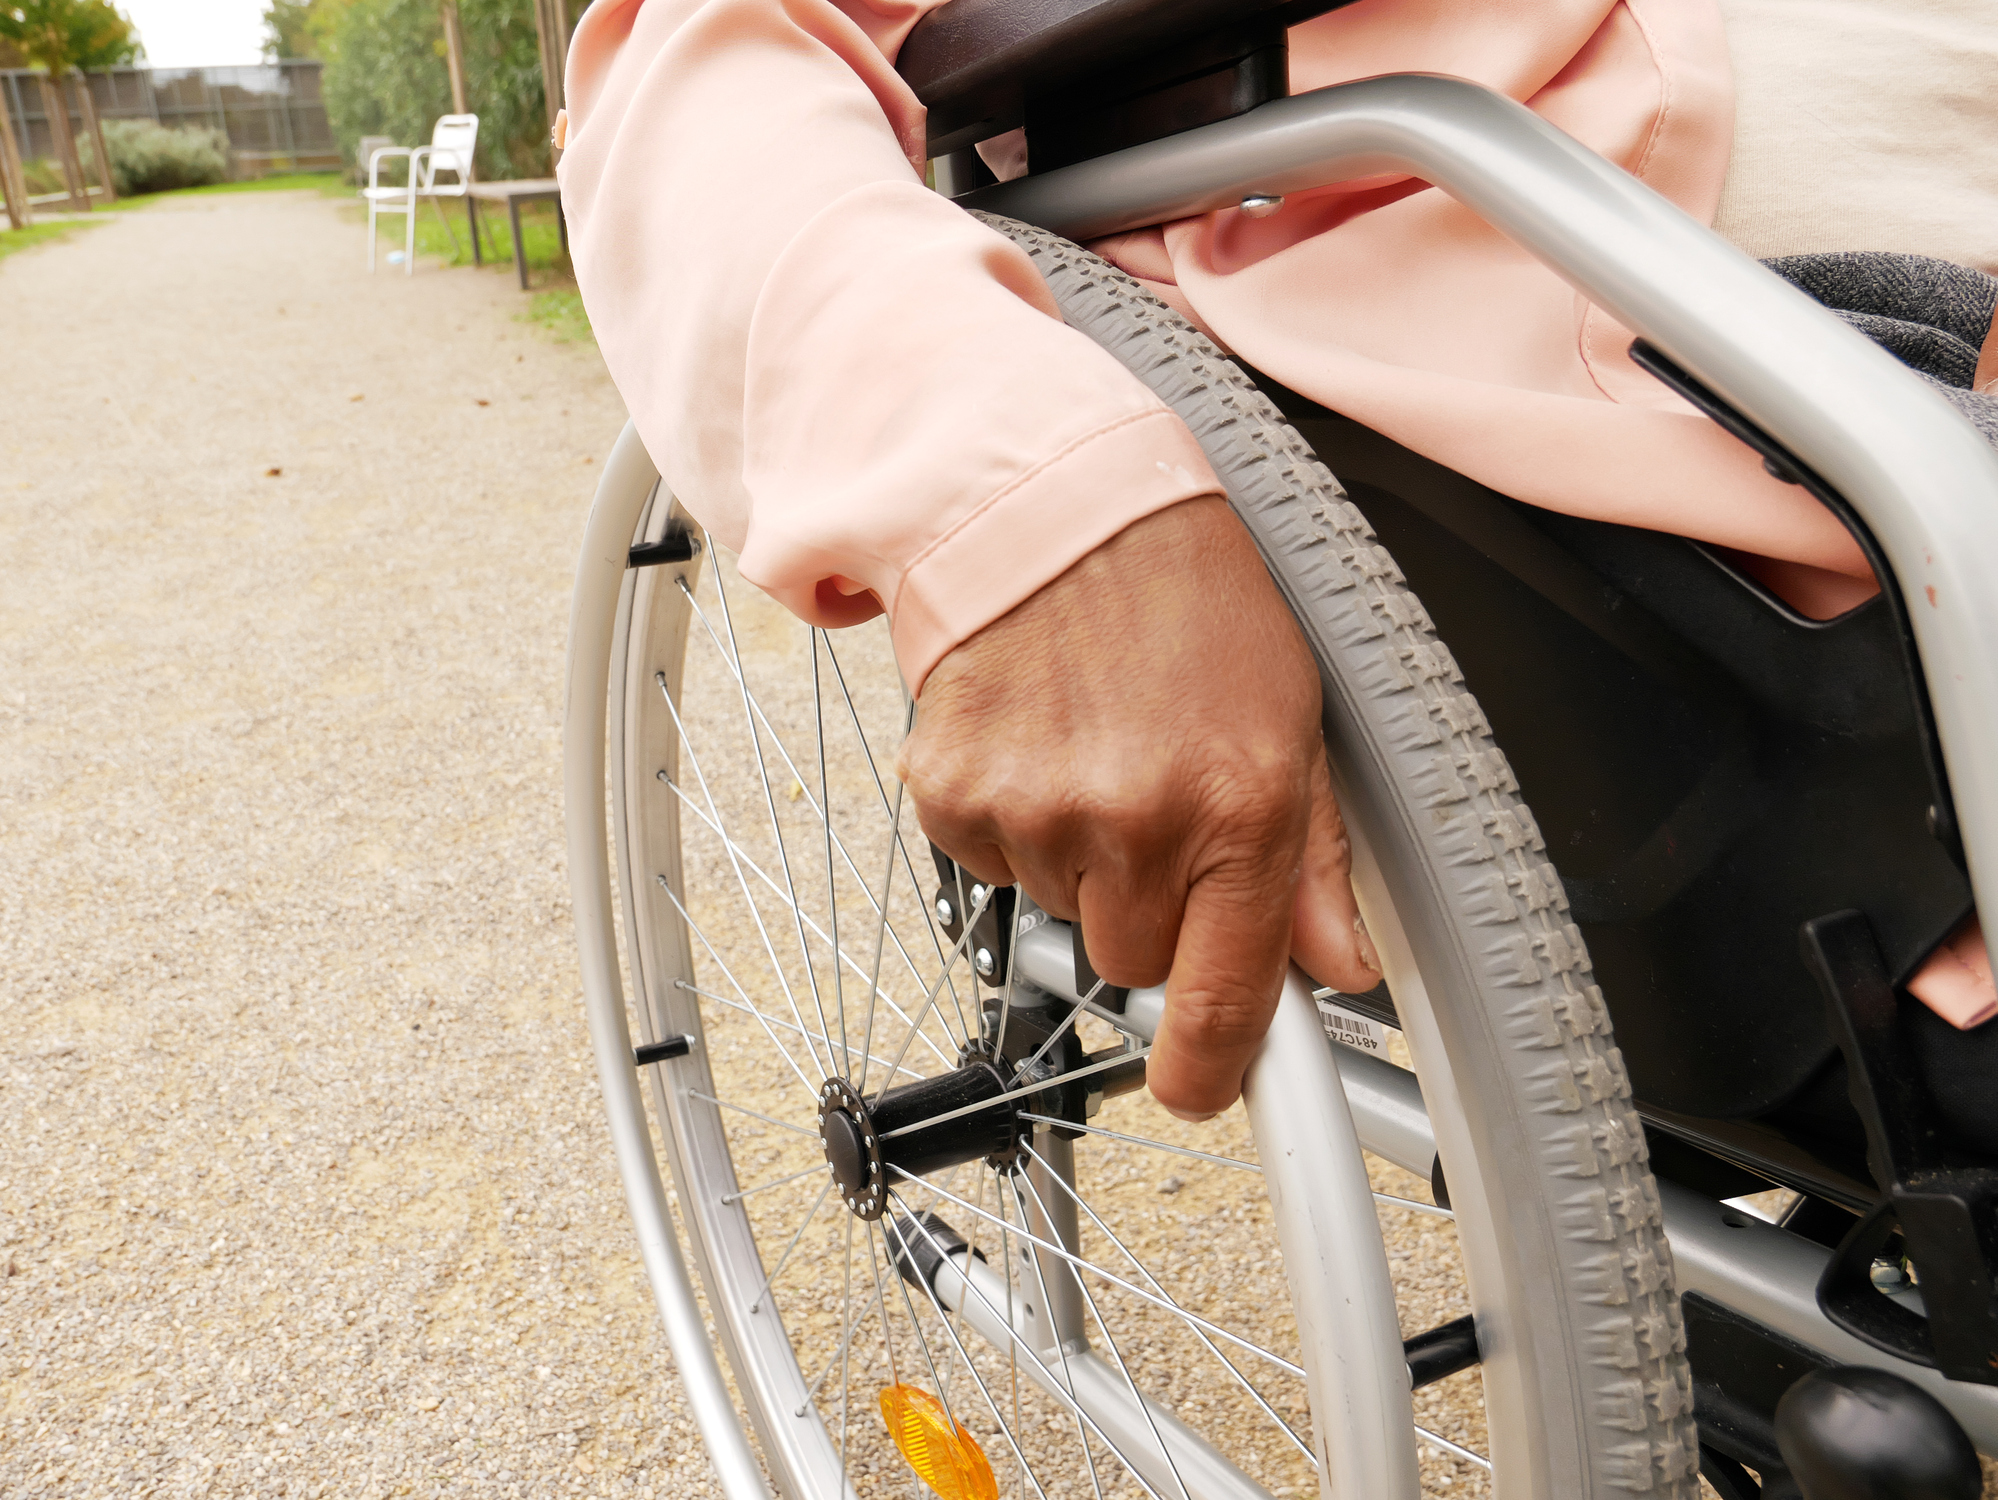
58 35
386 75
288 30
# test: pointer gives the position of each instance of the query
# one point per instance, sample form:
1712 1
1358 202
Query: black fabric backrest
974 62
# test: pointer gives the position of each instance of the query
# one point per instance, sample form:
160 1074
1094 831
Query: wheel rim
789 1359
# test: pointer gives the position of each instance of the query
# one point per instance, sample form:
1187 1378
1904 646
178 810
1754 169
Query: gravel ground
306 1190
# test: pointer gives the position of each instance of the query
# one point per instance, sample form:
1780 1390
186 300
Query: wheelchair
886 1094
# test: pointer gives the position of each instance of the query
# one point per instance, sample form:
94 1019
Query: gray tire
1588 1392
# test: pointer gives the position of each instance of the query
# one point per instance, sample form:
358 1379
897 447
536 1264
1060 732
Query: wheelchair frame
1833 405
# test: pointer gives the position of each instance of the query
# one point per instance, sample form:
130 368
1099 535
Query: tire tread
1484 842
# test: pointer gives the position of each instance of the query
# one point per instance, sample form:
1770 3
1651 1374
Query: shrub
146 157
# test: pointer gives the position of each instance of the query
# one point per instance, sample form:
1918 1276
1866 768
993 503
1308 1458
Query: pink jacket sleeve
857 386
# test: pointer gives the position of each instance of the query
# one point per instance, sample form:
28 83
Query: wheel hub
867 1144
853 1149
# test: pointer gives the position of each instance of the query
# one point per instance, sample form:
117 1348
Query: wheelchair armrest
975 62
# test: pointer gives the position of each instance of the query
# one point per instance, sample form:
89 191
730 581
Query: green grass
329 183
560 314
537 228
36 234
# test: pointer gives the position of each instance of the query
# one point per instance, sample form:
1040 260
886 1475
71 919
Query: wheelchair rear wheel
1099 1299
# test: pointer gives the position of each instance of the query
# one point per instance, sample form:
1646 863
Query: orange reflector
944 1456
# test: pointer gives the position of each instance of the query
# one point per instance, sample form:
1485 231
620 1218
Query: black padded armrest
974 62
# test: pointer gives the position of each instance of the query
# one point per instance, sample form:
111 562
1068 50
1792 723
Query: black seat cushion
975 62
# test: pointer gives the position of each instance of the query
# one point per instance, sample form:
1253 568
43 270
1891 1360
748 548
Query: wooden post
551 35
96 128
56 107
454 55
12 176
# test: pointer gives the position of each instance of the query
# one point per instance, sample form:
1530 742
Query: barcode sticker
1352 1029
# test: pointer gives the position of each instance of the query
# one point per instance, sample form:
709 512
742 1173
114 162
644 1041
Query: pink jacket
872 399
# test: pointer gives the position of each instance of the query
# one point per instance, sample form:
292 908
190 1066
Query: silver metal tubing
977 1293
1771 1275
1333 1255
1916 472
1743 1263
621 495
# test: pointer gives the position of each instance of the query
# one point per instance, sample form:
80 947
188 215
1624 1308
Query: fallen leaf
482 401
272 473
362 397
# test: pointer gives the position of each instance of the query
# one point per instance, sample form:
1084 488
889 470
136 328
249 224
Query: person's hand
1138 746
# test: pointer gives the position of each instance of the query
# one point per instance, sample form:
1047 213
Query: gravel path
306 1190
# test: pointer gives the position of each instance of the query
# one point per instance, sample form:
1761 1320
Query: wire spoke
777 1021
744 1109
1139 1140
922 1343
832 891
1012 1348
880 931
1415 1206
930 1000
1033 1088
1117 1354
964 1355
749 718
1063 1392
846 1344
1452 1449
881 1302
838 1357
895 817
1157 1286
945 1058
729 974
764 1187
819 808
728 847
1110 1276
1061 1345
796 1235
1057 1034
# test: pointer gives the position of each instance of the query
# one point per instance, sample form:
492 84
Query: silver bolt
977 894
985 963
1262 205
946 913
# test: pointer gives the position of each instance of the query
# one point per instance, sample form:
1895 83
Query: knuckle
1212 1022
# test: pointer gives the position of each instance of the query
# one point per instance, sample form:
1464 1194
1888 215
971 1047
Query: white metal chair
452 143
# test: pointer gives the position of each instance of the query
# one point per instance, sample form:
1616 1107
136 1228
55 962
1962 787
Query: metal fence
272 113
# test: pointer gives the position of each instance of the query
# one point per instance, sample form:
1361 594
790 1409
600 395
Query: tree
386 75
57 36
301 28
288 30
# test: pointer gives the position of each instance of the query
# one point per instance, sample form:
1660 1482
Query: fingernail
1189 1117
1368 954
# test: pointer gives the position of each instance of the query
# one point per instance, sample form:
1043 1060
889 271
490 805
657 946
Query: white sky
198 33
